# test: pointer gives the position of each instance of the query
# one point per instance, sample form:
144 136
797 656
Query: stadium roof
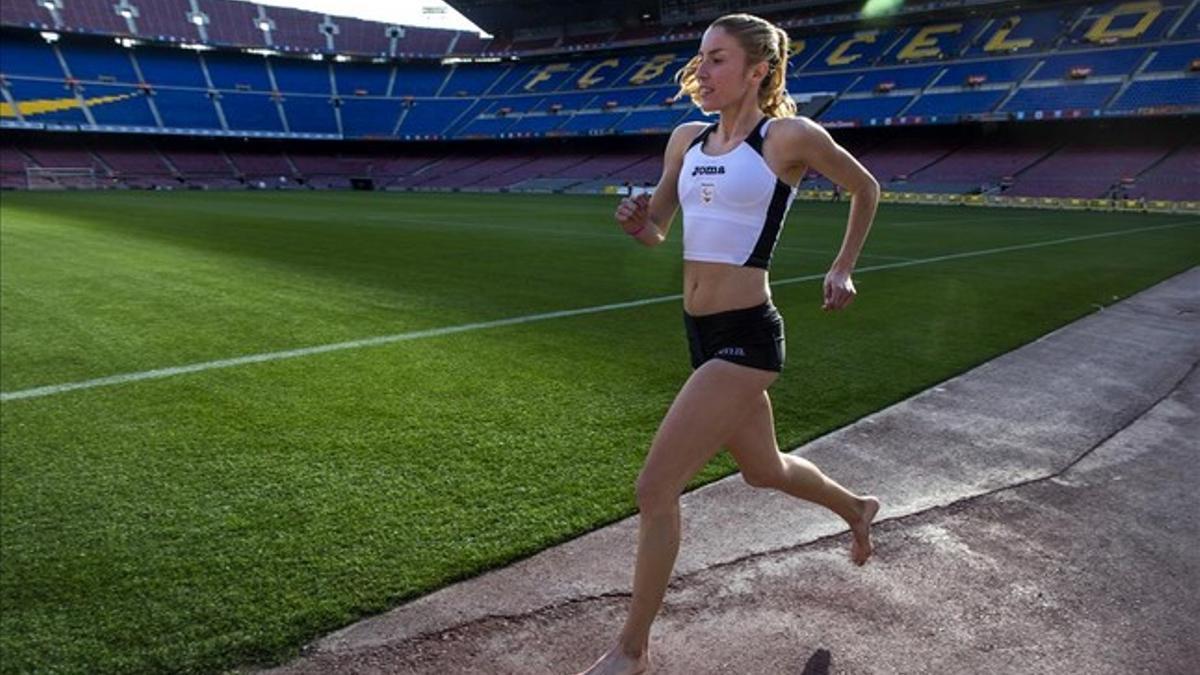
503 17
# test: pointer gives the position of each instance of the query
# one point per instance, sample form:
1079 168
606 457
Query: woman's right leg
713 402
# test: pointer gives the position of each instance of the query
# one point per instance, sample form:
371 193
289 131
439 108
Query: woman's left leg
754 447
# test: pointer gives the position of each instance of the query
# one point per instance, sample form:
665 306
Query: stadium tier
1051 162
242 24
1072 61
237 70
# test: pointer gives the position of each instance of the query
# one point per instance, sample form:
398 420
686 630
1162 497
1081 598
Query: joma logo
707 170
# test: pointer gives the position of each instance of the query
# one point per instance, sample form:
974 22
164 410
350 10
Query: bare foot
616 662
860 550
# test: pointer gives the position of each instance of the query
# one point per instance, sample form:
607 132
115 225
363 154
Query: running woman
735 180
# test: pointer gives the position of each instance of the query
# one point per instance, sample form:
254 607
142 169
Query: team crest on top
707 171
707 190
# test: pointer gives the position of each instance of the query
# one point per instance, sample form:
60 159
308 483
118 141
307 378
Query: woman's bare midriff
709 288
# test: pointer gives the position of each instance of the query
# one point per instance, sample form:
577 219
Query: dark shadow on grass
450 249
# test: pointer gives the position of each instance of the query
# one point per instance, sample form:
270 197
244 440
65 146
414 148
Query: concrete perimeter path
1041 514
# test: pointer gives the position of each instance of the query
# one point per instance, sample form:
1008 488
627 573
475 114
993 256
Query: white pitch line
49 390
833 251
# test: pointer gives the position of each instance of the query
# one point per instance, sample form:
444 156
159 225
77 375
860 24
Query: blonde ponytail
773 98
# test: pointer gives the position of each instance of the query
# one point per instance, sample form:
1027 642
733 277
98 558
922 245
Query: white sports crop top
733 204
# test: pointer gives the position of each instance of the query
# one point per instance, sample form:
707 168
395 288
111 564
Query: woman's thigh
712 403
753 446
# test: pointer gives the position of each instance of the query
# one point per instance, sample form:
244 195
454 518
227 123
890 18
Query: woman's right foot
616 662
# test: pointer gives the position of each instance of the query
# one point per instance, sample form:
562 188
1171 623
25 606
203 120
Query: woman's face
723 75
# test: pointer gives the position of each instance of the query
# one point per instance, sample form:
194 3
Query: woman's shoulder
688 131
798 125
682 137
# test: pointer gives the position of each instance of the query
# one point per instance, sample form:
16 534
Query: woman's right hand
633 213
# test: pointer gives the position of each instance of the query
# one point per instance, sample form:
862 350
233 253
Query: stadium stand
976 167
1086 171
1175 177
994 65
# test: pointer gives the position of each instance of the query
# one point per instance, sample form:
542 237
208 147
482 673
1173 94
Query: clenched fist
633 213
839 290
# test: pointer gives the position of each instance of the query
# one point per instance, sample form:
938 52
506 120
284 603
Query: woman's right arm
648 218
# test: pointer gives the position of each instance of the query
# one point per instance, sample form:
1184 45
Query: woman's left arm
808 143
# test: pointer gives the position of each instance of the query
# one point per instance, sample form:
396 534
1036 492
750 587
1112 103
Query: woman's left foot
860 550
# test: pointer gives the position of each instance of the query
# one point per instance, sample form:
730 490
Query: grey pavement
1039 516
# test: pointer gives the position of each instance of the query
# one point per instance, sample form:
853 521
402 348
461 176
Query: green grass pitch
223 517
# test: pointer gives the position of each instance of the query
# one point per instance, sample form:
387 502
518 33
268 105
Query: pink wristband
637 231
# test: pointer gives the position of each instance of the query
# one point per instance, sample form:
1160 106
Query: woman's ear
761 69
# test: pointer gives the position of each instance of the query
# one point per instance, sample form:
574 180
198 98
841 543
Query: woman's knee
768 472
763 480
654 497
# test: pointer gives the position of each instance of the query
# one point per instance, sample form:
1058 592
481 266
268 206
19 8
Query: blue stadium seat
695 114
173 67
375 117
41 90
130 109
369 78
180 87
591 123
996 71
250 112
471 80
647 121
516 104
603 73
956 103
648 75
623 97
578 68
820 83
903 78
301 76
660 94
94 63
1126 23
430 117
26 54
933 40
229 70
1028 32
808 46
514 73
186 109
1190 27
539 80
538 124
860 54
1078 96
568 101
490 126
309 114
1174 58
414 80
866 108
1178 91
1104 62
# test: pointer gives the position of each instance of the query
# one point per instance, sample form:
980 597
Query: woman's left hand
839 290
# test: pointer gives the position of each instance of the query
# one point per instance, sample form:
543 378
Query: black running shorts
748 337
